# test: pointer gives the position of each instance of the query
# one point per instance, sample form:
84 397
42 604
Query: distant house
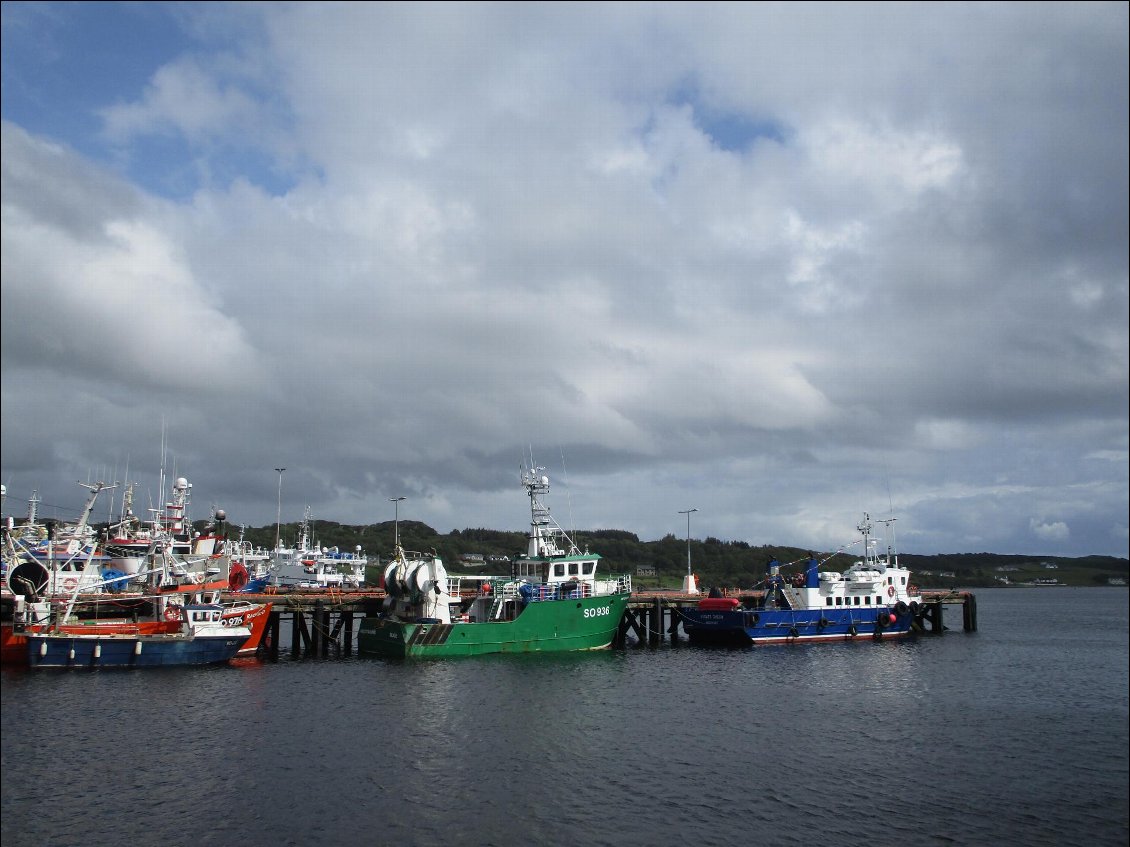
472 558
1051 566
645 570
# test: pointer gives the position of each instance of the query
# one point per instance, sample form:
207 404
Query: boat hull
786 626
13 646
550 626
126 651
255 616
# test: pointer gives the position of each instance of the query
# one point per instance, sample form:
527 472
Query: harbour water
1015 734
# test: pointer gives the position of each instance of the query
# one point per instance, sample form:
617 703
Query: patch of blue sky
63 64
61 61
729 130
737 133
168 166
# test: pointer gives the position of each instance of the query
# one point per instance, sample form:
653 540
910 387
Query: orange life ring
171 613
891 591
486 589
70 583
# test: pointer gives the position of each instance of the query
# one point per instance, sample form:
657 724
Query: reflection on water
1014 734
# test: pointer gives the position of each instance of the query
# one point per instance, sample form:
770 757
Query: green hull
550 626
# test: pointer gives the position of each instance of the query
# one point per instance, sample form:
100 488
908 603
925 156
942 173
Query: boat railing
621 584
526 592
464 585
416 556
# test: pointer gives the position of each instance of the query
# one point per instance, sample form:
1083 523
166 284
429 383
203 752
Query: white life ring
172 613
891 591
70 583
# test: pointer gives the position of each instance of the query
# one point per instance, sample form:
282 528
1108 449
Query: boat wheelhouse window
867 600
827 601
574 569
857 601
839 601
589 566
559 569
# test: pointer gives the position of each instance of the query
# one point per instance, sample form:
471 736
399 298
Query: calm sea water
1015 734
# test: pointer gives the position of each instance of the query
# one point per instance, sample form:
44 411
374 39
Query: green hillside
723 563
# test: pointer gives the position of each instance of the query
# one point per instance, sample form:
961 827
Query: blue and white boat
205 638
873 598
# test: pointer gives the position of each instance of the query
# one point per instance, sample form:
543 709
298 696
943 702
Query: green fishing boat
552 601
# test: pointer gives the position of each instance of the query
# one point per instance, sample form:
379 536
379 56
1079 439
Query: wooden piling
969 613
655 630
296 627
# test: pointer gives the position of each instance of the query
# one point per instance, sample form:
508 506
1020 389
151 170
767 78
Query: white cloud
1056 531
485 227
896 166
182 97
111 298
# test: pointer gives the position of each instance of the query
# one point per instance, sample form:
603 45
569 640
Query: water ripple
1016 734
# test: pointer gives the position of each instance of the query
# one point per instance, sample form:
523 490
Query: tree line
715 562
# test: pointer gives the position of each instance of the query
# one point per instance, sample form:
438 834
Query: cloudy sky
780 263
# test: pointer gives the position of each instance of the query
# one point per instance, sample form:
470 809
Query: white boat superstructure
871 581
306 565
57 559
552 557
132 543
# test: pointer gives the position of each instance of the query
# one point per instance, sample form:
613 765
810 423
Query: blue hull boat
204 639
730 622
871 599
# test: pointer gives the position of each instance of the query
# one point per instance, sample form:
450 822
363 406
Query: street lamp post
396 524
688 584
278 517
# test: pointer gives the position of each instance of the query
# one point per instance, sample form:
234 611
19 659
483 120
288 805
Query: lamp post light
688 584
278 516
396 524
